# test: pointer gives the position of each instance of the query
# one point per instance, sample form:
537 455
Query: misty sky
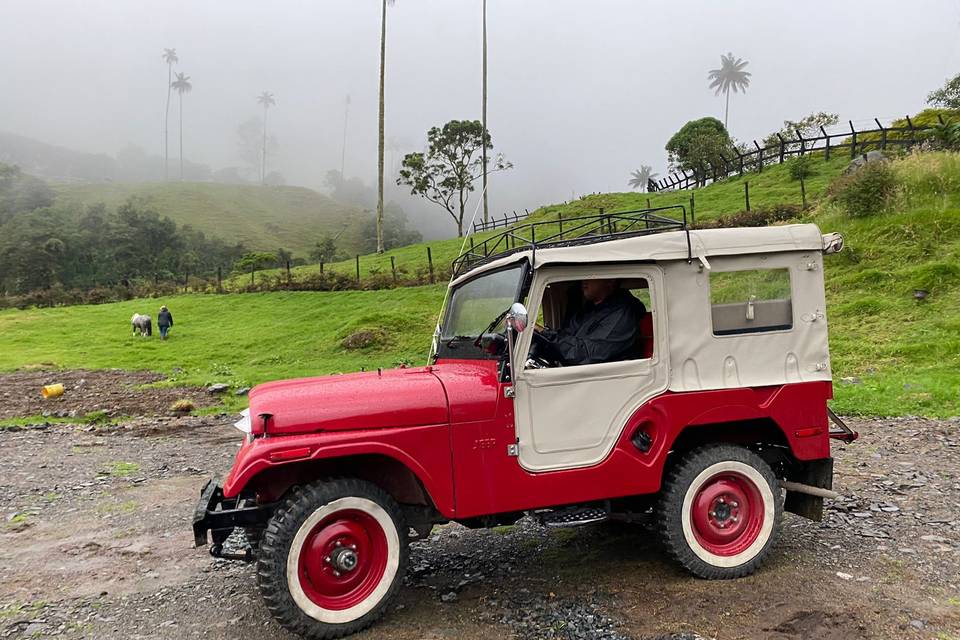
580 93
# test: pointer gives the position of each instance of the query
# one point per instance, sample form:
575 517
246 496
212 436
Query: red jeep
718 410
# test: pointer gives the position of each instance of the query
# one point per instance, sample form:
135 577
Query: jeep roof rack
570 232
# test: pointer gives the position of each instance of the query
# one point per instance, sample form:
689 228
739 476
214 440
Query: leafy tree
640 179
267 100
254 261
948 96
699 145
808 126
446 173
325 250
946 135
170 57
283 257
182 85
729 76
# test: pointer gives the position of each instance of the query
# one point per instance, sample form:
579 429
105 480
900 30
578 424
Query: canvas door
570 417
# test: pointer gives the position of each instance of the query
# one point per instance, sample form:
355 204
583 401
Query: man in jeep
605 328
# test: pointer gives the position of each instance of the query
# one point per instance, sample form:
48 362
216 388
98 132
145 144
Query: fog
580 93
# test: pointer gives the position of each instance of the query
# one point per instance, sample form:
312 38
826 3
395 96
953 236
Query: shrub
182 406
801 167
759 217
867 191
363 339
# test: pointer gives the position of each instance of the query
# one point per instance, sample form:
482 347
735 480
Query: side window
594 320
751 301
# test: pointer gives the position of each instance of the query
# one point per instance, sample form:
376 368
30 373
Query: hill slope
262 218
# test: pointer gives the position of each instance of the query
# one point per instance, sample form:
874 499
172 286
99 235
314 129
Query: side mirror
517 317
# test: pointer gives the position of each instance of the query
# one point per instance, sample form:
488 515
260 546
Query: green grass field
242 339
263 218
904 354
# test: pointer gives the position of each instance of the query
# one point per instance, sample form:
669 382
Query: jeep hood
374 400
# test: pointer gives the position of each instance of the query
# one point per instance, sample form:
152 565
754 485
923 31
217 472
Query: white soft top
671 245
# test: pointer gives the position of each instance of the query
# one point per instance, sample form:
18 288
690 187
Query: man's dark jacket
604 332
164 319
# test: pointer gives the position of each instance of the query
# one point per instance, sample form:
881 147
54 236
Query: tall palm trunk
483 115
166 126
263 150
726 110
181 137
383 60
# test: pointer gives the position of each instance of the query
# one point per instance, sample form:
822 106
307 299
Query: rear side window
751 301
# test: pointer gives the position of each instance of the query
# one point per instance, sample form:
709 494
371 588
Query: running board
572 516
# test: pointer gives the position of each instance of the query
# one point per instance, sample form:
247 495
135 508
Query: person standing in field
164 321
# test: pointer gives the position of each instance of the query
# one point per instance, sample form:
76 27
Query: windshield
475 304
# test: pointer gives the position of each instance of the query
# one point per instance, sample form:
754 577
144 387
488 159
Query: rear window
751 301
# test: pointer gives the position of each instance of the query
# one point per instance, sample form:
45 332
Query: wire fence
499 223
853 141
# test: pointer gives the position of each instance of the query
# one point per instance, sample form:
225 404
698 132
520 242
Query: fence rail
498 223
756 159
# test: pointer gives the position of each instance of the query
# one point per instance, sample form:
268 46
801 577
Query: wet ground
95 542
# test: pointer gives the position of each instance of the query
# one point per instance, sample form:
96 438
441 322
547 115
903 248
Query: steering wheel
542 353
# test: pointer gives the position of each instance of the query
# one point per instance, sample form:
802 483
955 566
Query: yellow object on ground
52 391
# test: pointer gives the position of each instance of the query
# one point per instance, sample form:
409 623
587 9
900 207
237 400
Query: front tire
720 511
331 558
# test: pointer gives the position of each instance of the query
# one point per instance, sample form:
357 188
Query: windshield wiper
457 339
491 326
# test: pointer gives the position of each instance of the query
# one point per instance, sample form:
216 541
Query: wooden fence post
288 272
746 193
759 157
826 148
648 204
803 143
252 272
430 263
393 267
693 210
883 134
740 161
358 269
803 191
560 220
219 279
913 132
781 147
853 140
321 267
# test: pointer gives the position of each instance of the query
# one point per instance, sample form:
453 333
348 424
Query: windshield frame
465 349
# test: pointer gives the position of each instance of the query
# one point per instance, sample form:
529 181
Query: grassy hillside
262 218
241 338
902 356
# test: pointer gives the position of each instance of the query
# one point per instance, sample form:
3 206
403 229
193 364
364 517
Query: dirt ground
95 542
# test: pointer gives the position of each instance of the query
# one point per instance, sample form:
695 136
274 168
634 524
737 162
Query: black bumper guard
220 516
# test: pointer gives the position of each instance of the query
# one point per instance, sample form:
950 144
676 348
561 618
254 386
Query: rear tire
719 512
331 558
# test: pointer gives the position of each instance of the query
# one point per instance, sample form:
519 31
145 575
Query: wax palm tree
267 100
729 76
383 61
170 57
483 114
640 178
182 86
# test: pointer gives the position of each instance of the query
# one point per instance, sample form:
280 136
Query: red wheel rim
727 514
343 559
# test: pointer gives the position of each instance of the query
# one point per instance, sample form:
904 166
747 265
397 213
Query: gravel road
95 542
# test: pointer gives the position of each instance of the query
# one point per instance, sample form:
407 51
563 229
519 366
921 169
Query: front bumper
220 516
